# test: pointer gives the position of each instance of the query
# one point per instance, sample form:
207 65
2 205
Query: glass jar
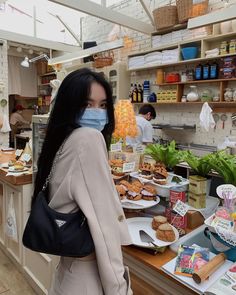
183 77
193 94
234 95
190 75
228 95
206 95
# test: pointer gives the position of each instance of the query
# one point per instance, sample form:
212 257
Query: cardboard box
194 219
197 201
197 184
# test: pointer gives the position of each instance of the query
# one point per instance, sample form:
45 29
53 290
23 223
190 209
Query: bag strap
59 152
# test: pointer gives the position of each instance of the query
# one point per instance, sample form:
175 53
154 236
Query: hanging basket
186 9
165 16
103 59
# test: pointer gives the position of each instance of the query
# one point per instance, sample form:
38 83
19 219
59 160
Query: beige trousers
77 276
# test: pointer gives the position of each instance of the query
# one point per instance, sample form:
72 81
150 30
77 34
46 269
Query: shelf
220 104
182 62
196 82
44 84
171 29
174 127
48 74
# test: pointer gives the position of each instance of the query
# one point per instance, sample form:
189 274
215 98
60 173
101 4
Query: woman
82 120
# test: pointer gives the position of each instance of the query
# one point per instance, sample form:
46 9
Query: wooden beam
24 39
107 14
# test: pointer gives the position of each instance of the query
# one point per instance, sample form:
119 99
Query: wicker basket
103 59
186 9
165 16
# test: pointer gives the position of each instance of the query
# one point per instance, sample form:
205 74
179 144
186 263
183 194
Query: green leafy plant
225 165
200 166
168 154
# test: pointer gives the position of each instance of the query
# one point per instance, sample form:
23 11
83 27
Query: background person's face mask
94 118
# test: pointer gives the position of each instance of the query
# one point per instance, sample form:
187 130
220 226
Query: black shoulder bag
52 232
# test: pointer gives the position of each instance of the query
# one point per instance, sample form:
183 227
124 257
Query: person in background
82 122
145 130
16 122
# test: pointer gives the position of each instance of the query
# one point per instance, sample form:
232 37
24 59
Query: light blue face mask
94 118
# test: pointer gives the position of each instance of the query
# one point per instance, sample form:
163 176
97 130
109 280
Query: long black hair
71 100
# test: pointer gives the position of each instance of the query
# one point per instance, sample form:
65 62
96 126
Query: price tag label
128 167
26 157
116 147
226 191
181 208
18 152
223 224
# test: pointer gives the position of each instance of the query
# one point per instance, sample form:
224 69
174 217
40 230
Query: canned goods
232 46
177 193
177 220
224 46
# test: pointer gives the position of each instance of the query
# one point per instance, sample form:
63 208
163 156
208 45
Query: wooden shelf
221 104
48 74
196 82
171 29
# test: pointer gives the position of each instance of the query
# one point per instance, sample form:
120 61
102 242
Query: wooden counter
14 180
148 277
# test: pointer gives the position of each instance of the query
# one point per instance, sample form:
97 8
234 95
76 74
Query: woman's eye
103 105
89 105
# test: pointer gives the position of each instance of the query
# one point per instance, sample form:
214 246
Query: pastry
121 191
134 193
125 184
117 167
157 221
160 174
165 233
149 193
18 165
138 184
118 171
146 170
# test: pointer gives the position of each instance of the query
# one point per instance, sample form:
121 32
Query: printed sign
116 147
26 157
128 167
181 208
18 152
226 191
223 224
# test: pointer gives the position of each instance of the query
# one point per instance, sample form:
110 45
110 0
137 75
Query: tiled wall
4 137
97 29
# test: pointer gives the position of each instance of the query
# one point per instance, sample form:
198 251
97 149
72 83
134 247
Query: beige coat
82 178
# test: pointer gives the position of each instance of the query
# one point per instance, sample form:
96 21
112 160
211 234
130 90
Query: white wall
4 137
97 29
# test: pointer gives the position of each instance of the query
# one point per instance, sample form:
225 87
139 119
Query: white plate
163 189
17 171
136 224
141 204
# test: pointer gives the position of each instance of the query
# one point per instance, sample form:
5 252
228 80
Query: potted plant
168 155
200 166
225 165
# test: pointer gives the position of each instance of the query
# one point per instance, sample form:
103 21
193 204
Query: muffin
160 174
121 191
149 193
146 170
157 221
117 167
134 193
165 233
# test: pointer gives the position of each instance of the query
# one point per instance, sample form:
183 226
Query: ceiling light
31 51
86 52
19 49
25 62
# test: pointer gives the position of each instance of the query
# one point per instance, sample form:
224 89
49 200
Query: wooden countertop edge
15 180
155 262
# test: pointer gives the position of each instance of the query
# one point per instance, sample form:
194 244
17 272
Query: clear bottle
131 92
